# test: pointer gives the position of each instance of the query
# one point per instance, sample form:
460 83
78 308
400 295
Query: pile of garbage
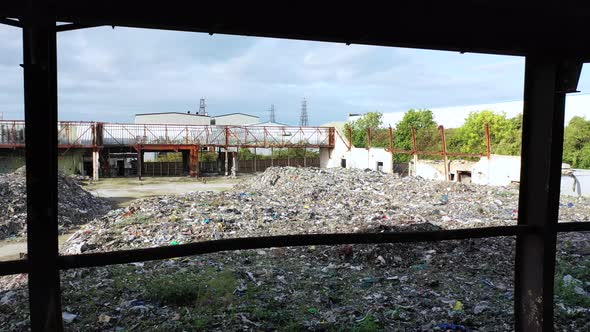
462 285
76 206
305 201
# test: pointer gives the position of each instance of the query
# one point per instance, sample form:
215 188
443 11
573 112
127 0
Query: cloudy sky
109 75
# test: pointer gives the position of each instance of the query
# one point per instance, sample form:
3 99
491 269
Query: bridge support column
194 161
226 162
95 164
139 162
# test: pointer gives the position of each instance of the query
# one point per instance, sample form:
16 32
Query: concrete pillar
415 164
95 165
226 163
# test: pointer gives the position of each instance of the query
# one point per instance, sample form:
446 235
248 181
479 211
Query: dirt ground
123 190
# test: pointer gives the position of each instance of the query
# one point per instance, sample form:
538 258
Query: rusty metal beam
40 88
14 267
198 248
540 177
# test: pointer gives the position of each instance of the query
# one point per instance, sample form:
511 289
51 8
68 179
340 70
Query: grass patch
369 324
578 270
208 288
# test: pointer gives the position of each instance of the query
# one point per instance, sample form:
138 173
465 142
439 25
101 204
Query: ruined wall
499 170
361 158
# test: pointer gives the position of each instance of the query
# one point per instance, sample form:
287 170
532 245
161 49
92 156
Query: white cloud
108 75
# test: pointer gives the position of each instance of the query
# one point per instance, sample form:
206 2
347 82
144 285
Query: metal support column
546 83
40 91
415 151
444 151
194 161
139 161
95 164
226 162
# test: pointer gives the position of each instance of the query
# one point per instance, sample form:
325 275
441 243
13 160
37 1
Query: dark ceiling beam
73 26
11 22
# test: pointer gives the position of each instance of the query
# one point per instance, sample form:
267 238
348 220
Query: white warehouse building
231 119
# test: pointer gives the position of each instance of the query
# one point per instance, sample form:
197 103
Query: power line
304 121
272 113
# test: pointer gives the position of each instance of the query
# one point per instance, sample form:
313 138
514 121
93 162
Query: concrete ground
121 191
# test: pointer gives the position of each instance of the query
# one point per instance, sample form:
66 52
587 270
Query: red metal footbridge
171 137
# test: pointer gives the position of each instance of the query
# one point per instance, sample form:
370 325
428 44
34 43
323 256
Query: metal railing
93 134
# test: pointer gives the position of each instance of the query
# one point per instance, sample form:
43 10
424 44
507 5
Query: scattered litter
68 317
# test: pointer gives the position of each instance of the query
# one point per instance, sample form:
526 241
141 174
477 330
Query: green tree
245 154
576 146
505 134
422 121
372 120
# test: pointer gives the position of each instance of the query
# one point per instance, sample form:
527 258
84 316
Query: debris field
462 285
76 206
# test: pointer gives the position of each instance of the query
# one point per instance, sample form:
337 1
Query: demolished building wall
377 159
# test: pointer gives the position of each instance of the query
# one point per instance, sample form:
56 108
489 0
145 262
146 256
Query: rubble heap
304 201
464 285
76 205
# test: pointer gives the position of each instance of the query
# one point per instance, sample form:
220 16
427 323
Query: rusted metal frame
368 138
41 109
14 267
307 138
264 136
540 178
331 137
573 227
289 141
488 141
325 139
274 142
414 144
76 141
441 128
453 154
215 140
349 137
194 161
343 140
177 135
12 146
205 247
147 130
283 136
139 160
233 133
391 147
108 133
